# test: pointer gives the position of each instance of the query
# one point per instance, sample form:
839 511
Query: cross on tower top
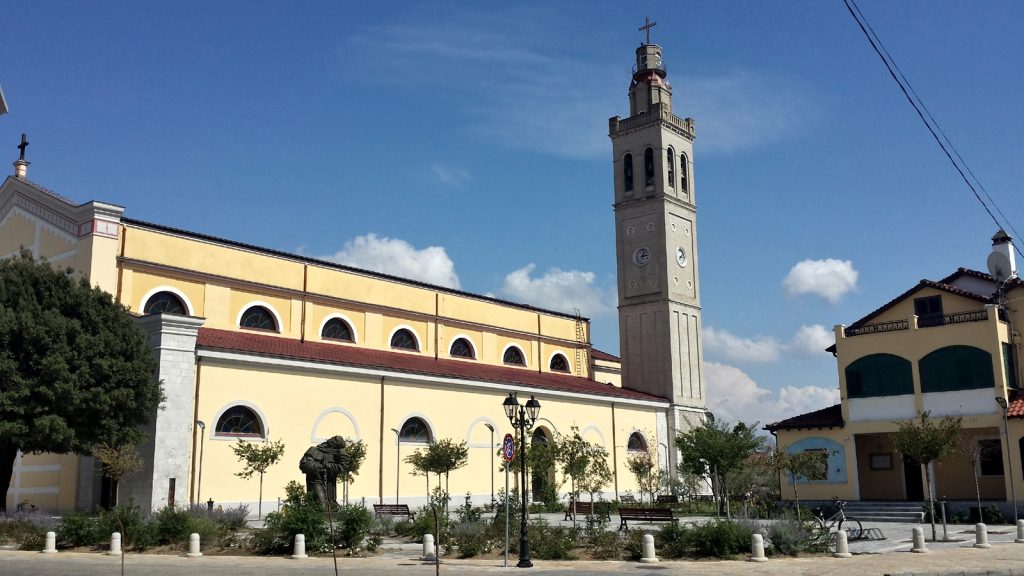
647 27
22 146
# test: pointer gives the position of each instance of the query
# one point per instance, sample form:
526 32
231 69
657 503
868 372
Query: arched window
636 443
684 173
879 375
239 421
415 430
337 329
165 303
649 167
404 339
670 158
462 348
559 363
514 357
258 317
627 172
956 368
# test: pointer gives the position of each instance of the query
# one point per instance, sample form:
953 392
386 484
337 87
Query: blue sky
467 145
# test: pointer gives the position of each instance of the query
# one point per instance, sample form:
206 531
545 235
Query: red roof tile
831 417
599 355
1016 407
941 285
340 354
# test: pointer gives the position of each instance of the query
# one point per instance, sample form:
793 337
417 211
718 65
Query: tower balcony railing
927 321
657 114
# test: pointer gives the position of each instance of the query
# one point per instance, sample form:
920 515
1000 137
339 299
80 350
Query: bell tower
656 245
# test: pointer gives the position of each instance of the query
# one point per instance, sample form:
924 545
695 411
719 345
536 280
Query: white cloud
734 396
558 290
829 278
811 340
737 349
450 176
398 258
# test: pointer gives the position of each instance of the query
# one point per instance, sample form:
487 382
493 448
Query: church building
261 345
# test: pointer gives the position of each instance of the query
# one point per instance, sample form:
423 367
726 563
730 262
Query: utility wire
929 121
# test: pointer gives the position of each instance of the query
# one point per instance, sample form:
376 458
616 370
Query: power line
926 117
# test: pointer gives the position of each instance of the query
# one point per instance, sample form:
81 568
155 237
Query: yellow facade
302 398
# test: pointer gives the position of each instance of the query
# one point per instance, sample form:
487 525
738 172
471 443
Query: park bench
628 498
586 508
393 510
668 499
649 514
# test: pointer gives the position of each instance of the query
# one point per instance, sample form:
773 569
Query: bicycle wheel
854 530
815 529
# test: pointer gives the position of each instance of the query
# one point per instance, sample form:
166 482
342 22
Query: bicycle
824 529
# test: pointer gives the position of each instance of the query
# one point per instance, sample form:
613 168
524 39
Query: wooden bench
393 510
668 499
649 514
628 498
586 508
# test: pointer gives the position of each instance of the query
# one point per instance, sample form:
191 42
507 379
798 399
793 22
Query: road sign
508 448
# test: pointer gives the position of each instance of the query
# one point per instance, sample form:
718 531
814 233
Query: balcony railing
923 322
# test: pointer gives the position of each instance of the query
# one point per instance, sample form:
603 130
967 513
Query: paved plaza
877 557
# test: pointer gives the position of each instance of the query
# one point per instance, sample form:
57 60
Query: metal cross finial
647 27
22 146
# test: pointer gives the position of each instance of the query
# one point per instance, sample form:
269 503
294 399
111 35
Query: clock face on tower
681 257
642 256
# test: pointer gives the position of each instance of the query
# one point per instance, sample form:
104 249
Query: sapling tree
258 458
925 440
116 462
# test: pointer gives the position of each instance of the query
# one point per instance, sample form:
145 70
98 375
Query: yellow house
948 347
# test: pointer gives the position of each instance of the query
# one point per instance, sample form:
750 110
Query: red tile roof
1016 407
599 355
831 417
347 355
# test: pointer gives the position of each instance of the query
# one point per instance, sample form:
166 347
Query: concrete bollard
51 543
919 545
429 551
1020 532
981 536
193 546
299 550
649 555
842 545
757 549
115 544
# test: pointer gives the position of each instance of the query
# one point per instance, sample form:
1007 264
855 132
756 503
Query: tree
75 369
925 440
644 466
440 457
258 458
805 464
597 474
972 451
117 461
584 463
713 449
356 454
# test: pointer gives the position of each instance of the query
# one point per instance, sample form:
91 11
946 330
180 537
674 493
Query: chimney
1002 262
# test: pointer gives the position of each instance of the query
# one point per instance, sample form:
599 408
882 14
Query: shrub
466 512
173 525
670 540
472 538
606 545
552 542
352 523
301 514
633 545
718 539
79 529
789 538
127 518
28 528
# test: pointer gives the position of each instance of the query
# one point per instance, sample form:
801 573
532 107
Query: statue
322 464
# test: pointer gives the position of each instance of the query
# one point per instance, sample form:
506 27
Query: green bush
498 523
633 545
352 523
473 538
606 545
788 537
670 540
718 539
552 542
173 525
79 529
301 514
128 519
27 528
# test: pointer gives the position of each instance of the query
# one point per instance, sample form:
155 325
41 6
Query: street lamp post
1001 400
522 419
398 461
202 443
491 428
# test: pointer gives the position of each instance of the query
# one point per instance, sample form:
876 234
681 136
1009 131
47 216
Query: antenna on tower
3 102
